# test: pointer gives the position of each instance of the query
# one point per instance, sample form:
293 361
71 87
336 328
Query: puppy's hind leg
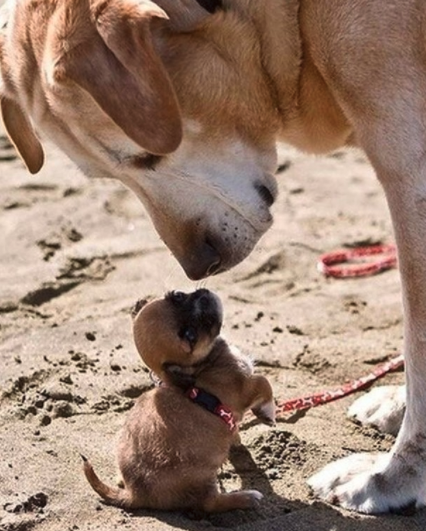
218 502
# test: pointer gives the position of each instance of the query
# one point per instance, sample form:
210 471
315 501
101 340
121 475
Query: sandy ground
74 256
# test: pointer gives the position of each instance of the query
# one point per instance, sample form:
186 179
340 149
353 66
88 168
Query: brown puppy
179 434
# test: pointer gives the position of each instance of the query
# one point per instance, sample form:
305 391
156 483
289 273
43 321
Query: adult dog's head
172 97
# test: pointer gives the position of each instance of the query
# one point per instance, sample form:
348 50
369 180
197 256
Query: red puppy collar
212 404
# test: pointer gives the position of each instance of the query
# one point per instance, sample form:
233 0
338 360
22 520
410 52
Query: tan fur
88 49
171 448
214 92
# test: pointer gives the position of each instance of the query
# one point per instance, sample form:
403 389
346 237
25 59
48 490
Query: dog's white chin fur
209 191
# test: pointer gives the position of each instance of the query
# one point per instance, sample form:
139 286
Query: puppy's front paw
265 413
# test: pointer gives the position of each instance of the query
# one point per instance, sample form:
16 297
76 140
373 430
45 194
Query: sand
76 254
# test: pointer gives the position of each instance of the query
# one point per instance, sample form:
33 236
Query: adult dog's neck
277 24
310 117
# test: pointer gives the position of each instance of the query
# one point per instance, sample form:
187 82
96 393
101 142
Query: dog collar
212 404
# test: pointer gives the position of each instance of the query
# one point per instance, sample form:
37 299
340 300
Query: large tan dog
183 101
179 434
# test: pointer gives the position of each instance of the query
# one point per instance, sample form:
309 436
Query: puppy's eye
188 333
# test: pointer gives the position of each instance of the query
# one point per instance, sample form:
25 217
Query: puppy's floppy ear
115 62
18 126
21 134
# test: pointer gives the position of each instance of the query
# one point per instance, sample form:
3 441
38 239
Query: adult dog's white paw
373 483
383 407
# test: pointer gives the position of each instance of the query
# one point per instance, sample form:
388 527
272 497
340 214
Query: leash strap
213 404
324 397
329 264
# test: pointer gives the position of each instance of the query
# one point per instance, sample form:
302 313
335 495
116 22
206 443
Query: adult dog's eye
147 161
210 5
188 333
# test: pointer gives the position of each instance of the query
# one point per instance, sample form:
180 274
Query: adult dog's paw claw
371 483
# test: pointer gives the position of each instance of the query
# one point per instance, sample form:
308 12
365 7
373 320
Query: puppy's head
178 329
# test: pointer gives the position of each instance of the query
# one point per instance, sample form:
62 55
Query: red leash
329 263
346 389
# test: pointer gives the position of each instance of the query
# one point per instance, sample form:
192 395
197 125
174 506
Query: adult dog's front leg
393 134
391 482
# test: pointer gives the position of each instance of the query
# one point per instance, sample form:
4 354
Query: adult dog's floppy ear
21 134
115 62
17 124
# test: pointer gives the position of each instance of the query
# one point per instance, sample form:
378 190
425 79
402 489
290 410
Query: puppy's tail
112 495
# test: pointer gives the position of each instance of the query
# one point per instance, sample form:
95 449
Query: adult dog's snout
203 262
217 225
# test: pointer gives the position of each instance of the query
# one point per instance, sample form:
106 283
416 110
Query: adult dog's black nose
203 262
265 194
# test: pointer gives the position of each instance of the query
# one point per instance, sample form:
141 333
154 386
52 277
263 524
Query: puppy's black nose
204 262
203 298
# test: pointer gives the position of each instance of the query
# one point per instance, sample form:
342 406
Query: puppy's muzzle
207 308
